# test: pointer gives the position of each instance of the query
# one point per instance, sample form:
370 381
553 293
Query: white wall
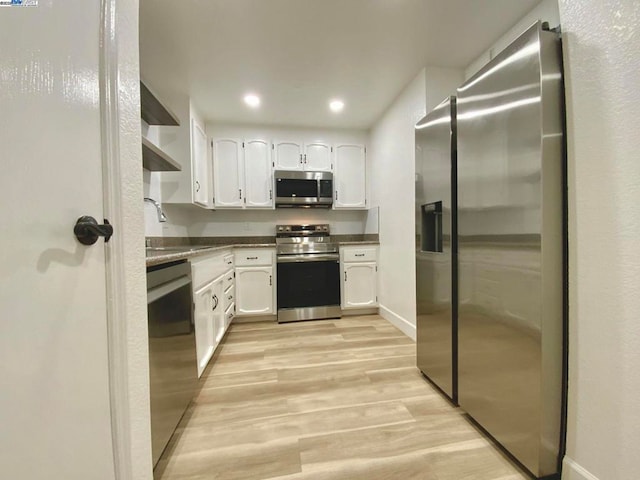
441 83
602 65
546 10
392 167
392 179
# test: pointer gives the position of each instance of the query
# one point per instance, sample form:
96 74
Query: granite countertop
160 255
172 249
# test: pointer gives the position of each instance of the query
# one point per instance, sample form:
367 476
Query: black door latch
87 230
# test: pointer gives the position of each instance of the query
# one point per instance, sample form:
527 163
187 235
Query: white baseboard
403 324
572 471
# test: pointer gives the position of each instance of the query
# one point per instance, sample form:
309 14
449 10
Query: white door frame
125 267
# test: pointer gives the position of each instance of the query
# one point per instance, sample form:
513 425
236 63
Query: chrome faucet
161 216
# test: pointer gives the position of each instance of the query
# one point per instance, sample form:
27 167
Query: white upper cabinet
243 175
228 174
317 157
258 176
350 181
294 155
202 187
287 155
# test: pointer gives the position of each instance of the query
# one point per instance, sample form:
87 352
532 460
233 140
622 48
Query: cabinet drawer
364 254
248 257
229 314
228 280
229 297
207 268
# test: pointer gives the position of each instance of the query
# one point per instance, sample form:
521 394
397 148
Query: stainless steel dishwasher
173 372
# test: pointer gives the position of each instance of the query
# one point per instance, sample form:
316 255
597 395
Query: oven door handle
304 258
166 288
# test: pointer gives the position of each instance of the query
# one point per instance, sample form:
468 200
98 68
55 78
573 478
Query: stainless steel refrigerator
512 238
435 137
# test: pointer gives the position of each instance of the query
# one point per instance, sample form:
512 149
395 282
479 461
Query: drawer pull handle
230 297
252 258
359 254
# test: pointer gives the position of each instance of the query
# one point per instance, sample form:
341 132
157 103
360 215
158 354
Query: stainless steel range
308 273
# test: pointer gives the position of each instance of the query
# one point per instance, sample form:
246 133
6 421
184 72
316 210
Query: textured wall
602 65
132 220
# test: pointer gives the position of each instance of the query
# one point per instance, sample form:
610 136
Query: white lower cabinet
203 323
213 281
255 288
359 270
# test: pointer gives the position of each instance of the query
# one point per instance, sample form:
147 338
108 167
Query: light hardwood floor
324 400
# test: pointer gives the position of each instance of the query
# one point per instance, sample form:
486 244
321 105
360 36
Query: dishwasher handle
164 289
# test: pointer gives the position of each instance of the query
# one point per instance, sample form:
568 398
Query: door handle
345 275
270 280
197 186
87 230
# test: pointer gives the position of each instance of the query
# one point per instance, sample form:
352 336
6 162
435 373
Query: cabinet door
287 155
255 291
359 282
203 319
217 310
350 176
317 157
258 179
202 187
228 173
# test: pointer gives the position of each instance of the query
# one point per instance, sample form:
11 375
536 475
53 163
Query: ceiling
299 54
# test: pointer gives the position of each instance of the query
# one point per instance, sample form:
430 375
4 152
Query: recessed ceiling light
336 105
252 100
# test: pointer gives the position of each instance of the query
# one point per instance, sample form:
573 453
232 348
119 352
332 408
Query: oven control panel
302 230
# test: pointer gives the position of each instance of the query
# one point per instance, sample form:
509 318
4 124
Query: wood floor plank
328 400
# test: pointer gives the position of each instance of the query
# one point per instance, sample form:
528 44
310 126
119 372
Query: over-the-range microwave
303 189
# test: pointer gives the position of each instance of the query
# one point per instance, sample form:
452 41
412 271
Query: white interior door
54 406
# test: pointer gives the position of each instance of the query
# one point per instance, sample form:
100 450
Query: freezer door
510 214
435 136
